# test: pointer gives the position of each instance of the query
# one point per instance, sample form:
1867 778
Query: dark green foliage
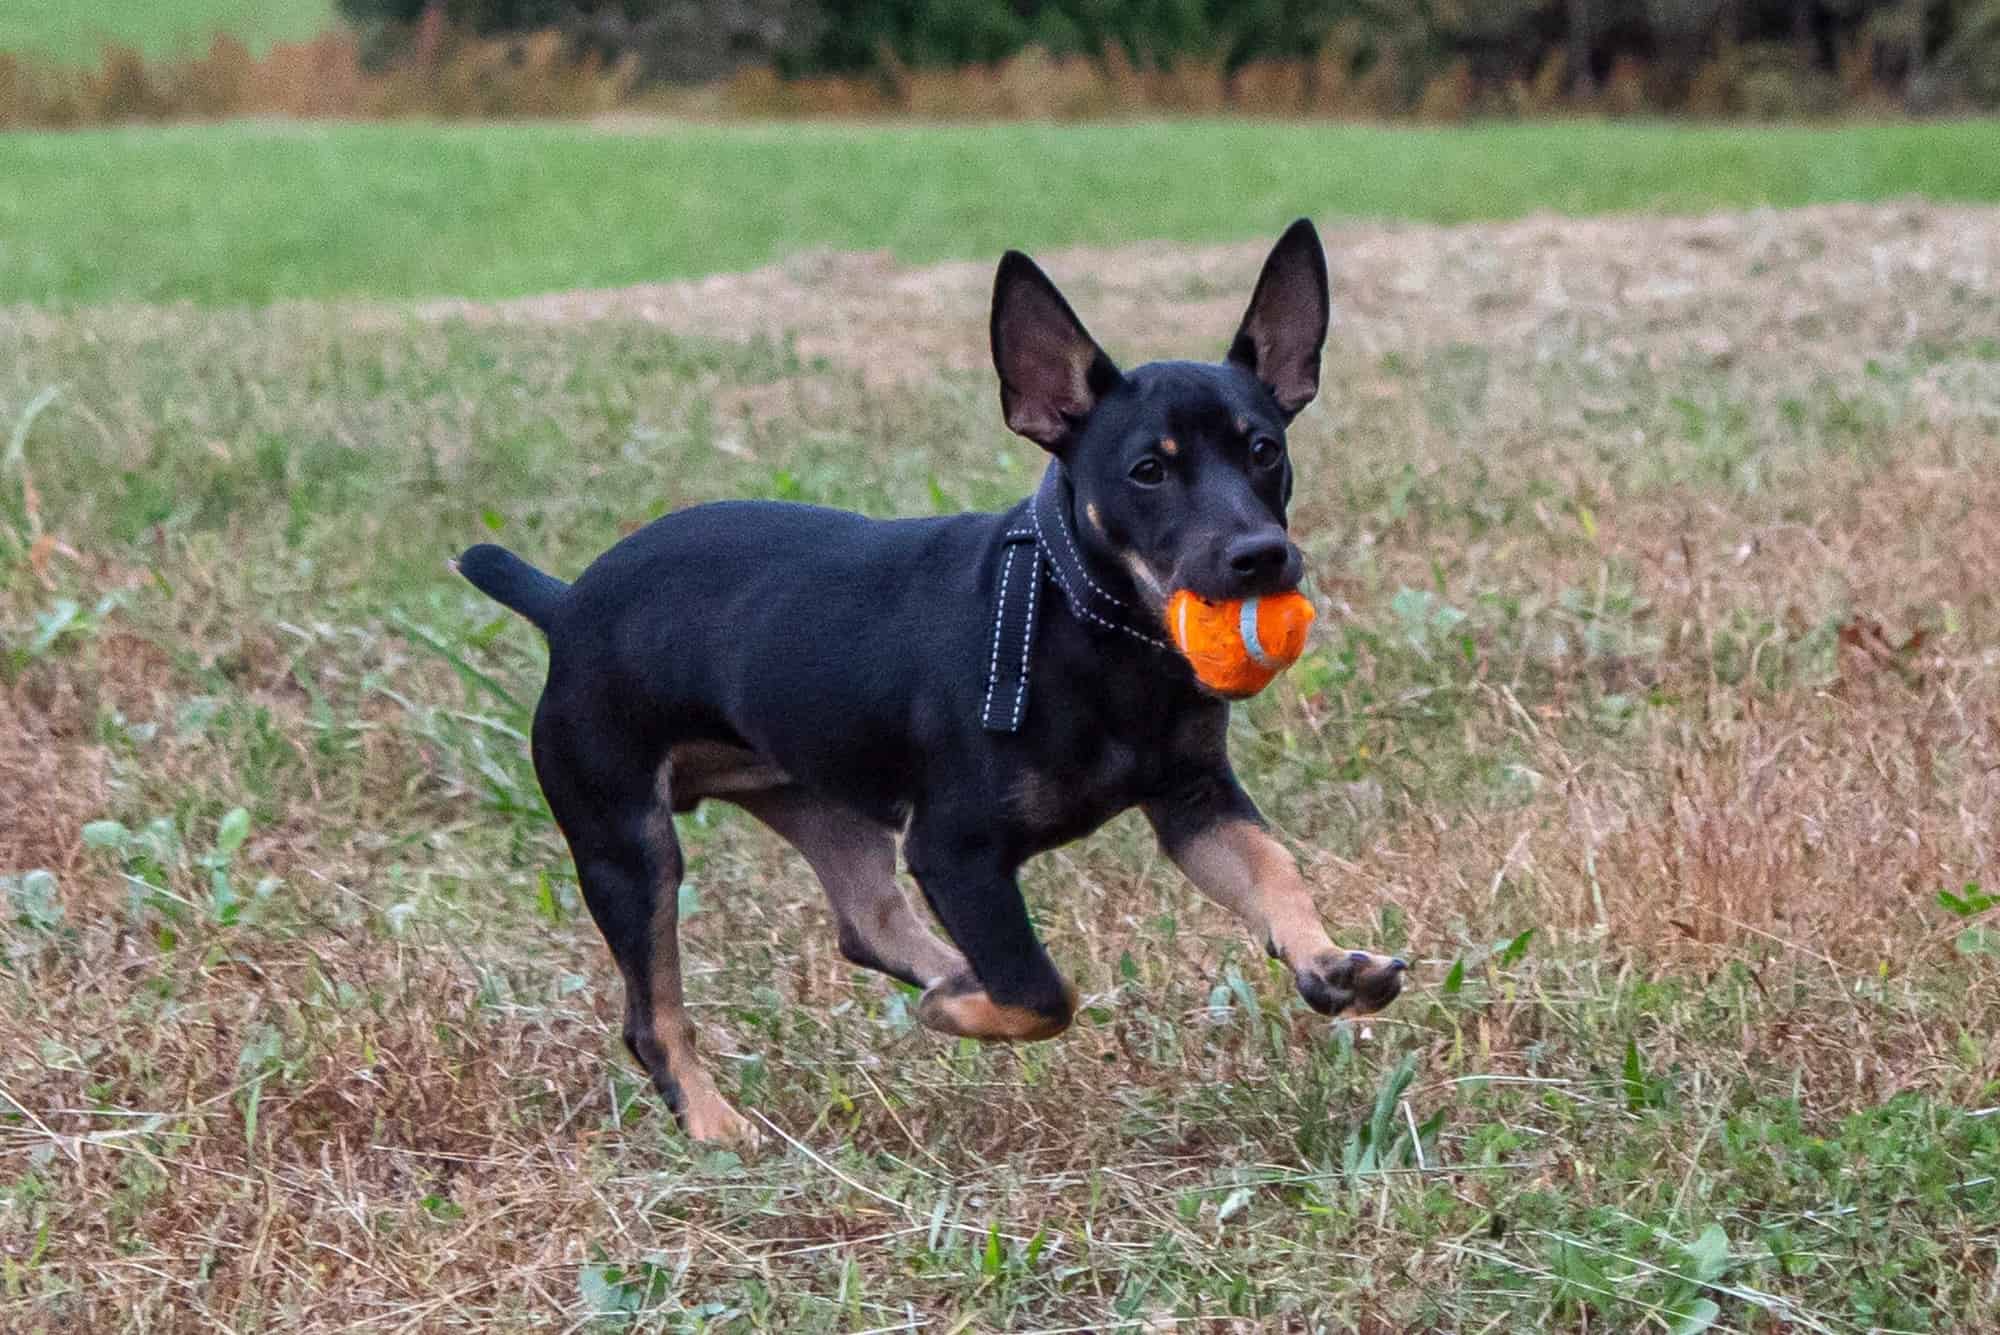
680 40
1758 57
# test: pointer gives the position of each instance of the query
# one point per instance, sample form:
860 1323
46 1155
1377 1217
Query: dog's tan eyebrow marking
1169 446
1242 426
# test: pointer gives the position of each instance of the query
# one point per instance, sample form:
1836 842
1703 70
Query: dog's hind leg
855 860
630 866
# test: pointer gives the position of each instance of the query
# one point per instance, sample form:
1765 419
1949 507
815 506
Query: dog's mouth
1212 580
1147 581
1210 589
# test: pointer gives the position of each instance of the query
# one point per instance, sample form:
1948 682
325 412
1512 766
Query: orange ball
1237 647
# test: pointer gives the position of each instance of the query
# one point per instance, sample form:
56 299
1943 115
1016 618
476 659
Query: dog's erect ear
1282 331
1052 373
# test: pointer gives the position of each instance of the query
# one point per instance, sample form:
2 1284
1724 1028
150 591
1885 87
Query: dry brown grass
1713 501
440 72
457 76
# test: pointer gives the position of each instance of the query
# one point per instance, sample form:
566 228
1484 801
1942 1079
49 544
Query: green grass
73 31
253 213
314 1031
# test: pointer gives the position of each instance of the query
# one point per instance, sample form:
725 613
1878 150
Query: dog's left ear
1282 331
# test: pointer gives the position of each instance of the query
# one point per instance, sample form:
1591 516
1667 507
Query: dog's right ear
1052 373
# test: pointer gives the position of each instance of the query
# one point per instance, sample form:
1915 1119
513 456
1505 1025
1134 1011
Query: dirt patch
1717 287
44 736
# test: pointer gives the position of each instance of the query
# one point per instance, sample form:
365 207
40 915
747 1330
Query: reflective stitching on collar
1079 602
1016 601
1027 640
1069 541
999 623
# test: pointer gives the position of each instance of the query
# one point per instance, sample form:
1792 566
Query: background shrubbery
1705 55
1434 59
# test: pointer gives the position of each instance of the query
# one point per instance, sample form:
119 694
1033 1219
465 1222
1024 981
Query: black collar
1050 512
1041 539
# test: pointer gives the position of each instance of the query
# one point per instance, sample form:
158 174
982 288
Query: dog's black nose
1258 556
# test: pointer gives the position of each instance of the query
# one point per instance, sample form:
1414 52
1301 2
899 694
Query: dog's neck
1098 589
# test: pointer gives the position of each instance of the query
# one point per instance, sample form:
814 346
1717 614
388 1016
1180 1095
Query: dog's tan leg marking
856 864
712 769
855 861
705 1114
959 1006
1240 866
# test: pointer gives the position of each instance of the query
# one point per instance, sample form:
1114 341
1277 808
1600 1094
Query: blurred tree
1967 64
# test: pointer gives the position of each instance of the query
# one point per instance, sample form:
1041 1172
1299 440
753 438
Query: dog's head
1180 469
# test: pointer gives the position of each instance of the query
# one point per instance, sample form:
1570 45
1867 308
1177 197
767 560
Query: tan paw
712 1121
960 1006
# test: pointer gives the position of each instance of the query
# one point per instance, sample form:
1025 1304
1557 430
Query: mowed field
259 212
1654 711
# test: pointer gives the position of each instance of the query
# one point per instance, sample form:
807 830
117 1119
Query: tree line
1800 56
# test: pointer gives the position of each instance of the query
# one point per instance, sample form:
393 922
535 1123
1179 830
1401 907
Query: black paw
1350 982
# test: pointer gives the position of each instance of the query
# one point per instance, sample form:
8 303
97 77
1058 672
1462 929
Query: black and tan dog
986 686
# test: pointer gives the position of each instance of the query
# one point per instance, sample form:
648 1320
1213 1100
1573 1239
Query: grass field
1654 711
252 213
76 30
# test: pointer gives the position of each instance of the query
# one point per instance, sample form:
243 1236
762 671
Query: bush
680 41
1436 59
1967 70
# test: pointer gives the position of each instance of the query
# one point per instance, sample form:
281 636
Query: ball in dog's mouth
1237 647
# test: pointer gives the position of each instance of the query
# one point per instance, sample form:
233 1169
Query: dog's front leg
1213 832
1011 990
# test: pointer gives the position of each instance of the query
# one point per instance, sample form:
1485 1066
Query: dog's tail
507 579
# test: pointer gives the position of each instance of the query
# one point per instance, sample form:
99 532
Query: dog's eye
1149 472
1265 452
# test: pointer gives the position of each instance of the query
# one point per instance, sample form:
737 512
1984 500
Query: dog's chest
1088 773
1067 797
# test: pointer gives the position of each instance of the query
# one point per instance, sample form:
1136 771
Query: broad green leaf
1696 1317
51 624
233 830
105 834
1709 1253
605 1289
36 901
224 904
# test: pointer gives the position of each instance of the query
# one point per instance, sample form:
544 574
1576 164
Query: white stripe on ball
1246 626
